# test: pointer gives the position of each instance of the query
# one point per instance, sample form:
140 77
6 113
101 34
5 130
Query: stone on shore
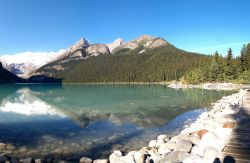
139 157
100 161
183 136
152 143
40 161
183 145
85 160
3 146
201 133
193 159
229 125
159 142
228 111
211 154
27 160
171 145
163 149
228 118
115 157
155 157
210 139
163 137
176 156
194 139
197 150
128 158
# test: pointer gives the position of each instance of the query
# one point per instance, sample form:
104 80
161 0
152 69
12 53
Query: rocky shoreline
203 141
210 86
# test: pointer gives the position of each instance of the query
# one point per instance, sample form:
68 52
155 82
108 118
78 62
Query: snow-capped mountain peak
23 63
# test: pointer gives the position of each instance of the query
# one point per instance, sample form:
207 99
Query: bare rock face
156 43
1 66
130 45
117 43
82 43
143 39
97 49
76 49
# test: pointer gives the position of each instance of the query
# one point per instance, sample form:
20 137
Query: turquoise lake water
70 121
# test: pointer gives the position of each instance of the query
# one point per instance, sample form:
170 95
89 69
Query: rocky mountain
6 65
26 64
144 59
144 42
117 43
97 49
23 64
8 77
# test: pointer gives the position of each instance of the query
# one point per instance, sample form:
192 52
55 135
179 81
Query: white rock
85 160
194 139
176 156
171 145
156 157
128 158
223 133
159 142
139 157
101 161
193 159
183 145
210 154
152 143
180 137
163 149
197 150
228 111
163 137
210 139
115 157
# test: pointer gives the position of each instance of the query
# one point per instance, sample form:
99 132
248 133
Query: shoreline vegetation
203 140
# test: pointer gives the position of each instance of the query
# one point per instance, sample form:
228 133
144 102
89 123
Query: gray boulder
85 160
101 161
97 49
27 160
183 145
175 157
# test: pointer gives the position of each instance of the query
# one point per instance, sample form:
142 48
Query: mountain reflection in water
69 121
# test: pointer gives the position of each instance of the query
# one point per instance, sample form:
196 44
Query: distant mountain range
145 59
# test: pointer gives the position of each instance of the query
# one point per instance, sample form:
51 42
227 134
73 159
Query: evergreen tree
215 67
248 56
230 72
243 59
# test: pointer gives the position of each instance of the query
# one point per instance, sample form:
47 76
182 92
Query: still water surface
70 121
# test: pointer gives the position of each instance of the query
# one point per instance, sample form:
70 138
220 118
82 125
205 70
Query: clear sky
192 25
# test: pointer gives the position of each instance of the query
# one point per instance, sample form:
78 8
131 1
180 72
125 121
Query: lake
71 121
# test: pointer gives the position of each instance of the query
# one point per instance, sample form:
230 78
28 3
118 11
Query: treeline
161 64
223 69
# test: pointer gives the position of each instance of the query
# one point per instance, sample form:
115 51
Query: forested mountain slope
163 63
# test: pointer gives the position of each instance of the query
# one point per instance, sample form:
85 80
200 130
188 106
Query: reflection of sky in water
93 119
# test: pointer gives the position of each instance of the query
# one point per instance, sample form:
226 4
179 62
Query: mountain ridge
143 59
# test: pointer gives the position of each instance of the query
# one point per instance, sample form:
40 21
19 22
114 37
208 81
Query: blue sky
192 25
